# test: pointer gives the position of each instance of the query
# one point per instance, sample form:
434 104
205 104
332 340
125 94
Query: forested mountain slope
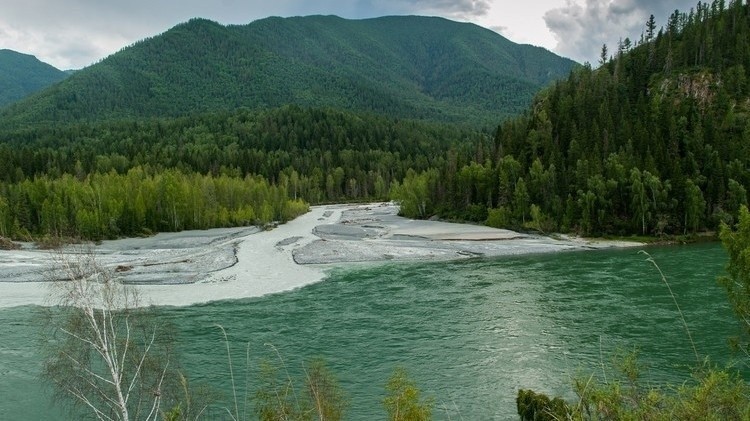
407 67
656 140
218 169
22 75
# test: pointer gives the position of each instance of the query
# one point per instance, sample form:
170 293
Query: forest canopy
654 141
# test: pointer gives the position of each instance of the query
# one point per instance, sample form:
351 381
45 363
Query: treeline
142 201
657 140
297 154
319 155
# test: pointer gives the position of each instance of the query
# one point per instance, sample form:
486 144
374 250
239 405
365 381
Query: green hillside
406 67
22 75
655 141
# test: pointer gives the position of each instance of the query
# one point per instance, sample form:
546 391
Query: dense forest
22 74
654 141
406 67
292 153
140 202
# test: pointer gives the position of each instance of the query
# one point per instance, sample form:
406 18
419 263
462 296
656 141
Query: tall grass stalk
247 381
601 359
674 299
231 375
288 377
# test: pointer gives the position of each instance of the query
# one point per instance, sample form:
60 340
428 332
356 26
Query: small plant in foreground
321 398
403 402
534 406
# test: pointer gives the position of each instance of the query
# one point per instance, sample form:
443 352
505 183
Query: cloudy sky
71 34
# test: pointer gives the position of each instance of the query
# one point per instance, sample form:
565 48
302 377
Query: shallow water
470 332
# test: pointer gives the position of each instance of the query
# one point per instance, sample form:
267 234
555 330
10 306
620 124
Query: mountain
655 141
405 66
22 75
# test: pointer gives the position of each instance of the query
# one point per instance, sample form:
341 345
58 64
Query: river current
470 333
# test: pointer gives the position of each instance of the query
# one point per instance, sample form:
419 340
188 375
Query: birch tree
106 355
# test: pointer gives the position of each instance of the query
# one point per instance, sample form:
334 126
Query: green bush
403 402
534 406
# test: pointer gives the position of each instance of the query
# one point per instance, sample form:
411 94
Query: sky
71 34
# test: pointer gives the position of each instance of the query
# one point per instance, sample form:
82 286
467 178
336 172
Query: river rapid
470 332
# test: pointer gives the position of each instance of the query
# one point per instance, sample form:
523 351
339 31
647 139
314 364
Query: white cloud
580 29
76 33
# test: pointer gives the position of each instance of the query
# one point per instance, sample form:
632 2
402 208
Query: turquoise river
470 333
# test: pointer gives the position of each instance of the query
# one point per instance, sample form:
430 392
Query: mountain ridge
407 66
23 74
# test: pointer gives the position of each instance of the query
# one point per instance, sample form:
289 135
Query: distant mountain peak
23 74
406 66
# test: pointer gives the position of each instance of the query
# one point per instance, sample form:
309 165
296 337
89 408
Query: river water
470 333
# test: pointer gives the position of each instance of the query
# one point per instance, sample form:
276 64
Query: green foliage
737 281
314 153
654 141
534 406
539 221
498 217
327 399
276 398
401 66
403 402
711 394
193 401
22 75
413 194
110 205
320 399
521 200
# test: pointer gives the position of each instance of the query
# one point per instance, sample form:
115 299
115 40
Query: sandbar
191 267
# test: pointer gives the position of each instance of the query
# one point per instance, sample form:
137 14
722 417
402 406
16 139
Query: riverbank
193 267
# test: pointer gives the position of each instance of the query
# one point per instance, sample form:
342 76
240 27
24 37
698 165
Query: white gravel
199 266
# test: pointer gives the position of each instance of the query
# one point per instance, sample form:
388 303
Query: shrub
403 402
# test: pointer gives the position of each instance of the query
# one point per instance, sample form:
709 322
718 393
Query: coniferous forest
129 177
399 66
22 74
653 141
